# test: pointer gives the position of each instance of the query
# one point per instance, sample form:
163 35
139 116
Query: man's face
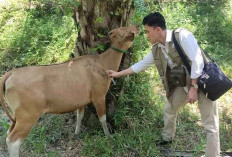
152 34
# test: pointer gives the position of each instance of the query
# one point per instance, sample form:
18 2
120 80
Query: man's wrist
194 85
194 81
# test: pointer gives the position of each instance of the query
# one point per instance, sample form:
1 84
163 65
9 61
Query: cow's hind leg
99 103
80 115
20 131
10 128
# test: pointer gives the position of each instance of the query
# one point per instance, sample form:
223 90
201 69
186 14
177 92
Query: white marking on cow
104 125
13 147
80 115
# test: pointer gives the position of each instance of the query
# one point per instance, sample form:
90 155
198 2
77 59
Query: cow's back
58 88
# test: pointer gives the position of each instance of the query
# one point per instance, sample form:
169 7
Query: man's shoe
163 143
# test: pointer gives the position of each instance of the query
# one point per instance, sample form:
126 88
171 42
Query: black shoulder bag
213 82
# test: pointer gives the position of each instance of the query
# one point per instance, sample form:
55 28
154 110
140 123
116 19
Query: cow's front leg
104 124
80 115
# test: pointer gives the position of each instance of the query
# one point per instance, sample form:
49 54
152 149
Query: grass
31 34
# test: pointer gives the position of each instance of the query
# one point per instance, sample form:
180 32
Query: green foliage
5 124
210 21
55 6
31 37
126 143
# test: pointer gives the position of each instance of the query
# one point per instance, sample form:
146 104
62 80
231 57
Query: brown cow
60 88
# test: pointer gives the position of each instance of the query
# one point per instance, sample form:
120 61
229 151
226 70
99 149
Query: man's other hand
192 95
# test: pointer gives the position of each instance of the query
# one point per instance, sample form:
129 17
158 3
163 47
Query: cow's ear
111 33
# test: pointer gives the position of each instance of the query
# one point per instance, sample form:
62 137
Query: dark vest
162 66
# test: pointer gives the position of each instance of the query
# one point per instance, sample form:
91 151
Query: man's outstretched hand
112 74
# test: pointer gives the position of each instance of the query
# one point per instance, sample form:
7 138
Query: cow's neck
112 58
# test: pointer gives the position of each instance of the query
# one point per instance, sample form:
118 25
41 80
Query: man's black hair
155 20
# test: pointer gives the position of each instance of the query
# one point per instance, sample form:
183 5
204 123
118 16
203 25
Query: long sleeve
143 64
193 51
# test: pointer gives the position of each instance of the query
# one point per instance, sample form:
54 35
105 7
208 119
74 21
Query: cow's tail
2 93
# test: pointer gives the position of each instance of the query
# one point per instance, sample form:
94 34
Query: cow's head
123 37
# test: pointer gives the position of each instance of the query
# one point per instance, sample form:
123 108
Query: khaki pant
209 116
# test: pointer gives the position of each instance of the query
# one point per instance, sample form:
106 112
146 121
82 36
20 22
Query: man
165 57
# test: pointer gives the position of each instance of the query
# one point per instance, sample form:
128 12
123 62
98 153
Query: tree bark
94 19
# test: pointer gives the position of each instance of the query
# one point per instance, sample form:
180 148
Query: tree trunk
94 19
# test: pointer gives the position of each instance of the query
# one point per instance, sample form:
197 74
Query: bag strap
182 56
207 55
179 50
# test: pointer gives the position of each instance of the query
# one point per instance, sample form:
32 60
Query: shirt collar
168 39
